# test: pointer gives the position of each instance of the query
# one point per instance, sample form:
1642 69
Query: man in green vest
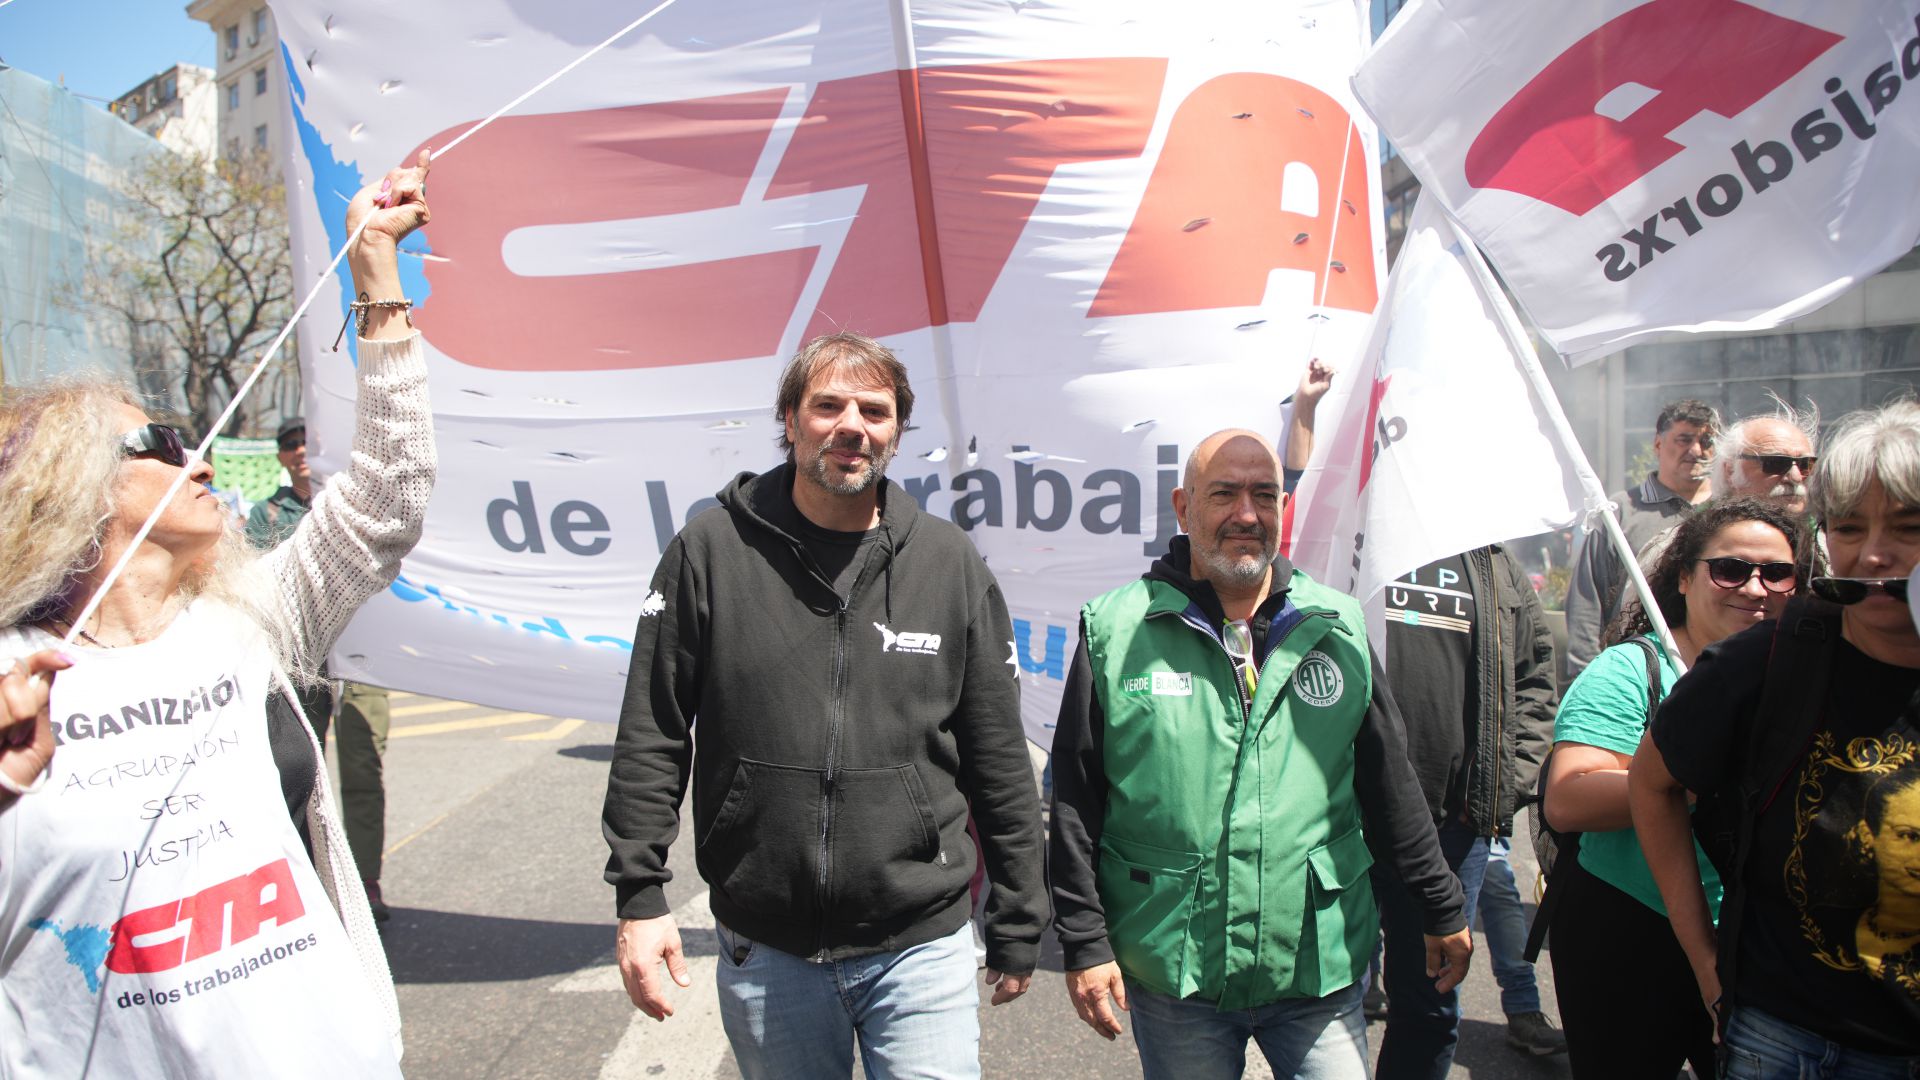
1224 736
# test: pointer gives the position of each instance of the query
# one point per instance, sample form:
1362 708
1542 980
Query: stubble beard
829 479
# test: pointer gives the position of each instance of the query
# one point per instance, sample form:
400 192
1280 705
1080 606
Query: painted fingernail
65 659
387 183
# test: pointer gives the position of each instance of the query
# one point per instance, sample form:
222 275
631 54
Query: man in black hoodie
849 661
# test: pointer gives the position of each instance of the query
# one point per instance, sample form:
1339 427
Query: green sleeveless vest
1232 865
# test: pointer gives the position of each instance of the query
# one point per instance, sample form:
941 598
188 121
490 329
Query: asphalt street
502 934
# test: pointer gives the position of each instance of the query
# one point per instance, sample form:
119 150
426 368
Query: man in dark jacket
1227 764
848 660
1470 660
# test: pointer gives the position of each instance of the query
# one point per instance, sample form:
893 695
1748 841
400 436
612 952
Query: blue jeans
915 1012
1191 1039
1423 1025
1760 1047
1505 924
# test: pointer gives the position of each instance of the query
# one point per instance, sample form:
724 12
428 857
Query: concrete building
250 79
63 164
176 107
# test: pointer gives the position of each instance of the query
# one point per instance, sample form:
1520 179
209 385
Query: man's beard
1238 570
831 480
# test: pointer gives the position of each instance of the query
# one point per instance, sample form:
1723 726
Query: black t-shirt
839 555
1431 672
1831 936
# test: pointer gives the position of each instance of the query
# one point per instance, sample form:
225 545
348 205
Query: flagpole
1597 502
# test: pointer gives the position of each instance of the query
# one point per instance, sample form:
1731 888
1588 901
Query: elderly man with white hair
1766 457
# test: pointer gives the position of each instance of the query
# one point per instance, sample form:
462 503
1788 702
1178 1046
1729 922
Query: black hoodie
841 742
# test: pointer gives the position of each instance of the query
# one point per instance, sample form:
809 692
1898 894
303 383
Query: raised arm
368 517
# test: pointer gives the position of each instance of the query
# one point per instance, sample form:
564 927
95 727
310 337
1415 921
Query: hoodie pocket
762 849
888 861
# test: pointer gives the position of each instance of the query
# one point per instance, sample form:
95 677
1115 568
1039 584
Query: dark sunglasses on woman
161 441
1729 572
1843 590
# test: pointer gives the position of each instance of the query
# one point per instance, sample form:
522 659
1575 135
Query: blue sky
103 47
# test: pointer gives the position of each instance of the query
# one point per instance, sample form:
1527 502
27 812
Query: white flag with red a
1437 443
1633 166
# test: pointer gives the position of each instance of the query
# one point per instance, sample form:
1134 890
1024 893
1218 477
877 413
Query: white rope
272 350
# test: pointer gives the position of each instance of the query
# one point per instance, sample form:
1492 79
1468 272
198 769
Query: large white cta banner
1095 231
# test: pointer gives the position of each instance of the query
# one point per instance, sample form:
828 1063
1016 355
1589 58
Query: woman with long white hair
176 894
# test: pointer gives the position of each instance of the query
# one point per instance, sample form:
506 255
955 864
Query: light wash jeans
1758 1046
1310 1039
1504 922
915 1012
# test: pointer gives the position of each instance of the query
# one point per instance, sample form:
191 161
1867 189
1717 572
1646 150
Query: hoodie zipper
835 715
1500 675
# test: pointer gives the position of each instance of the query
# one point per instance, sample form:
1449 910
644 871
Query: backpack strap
1792 704
1566 859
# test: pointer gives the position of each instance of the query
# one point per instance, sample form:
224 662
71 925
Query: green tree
202 277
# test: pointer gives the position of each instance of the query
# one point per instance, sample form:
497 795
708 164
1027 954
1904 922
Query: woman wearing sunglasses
176 894
1814 717
1624 984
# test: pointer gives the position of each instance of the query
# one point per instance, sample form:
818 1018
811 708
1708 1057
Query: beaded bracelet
360 308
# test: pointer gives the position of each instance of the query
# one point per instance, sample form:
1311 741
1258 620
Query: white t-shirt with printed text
158 913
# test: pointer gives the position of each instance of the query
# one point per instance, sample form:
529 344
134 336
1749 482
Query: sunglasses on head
159 440
1729 572
1842 590
1778 464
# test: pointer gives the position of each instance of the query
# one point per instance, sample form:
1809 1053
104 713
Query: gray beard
823 474
1221 567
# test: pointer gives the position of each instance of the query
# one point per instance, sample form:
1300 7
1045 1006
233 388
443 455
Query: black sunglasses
293 442
1845 590
1732 573
1778 464
158 439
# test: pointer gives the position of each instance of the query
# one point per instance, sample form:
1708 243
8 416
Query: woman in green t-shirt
1626 991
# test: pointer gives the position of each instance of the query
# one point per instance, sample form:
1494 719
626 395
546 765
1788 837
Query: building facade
63 167
250 80
176 107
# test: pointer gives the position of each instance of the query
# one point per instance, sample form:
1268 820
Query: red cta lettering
979 143
1232 148
215 917
1550 143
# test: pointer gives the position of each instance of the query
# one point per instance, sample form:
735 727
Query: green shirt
1607 707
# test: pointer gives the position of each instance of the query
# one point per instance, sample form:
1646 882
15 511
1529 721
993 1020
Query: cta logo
689 232
1597 118
908 641
163 937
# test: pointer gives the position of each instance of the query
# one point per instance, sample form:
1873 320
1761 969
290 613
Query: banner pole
1597 502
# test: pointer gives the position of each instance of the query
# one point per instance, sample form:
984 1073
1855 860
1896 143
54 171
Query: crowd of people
1257 813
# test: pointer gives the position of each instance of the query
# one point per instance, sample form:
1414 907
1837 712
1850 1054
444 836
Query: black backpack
1558 851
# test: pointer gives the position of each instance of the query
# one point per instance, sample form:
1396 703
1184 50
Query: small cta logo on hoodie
908 641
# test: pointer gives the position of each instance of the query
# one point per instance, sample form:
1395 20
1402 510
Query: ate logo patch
1318 680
